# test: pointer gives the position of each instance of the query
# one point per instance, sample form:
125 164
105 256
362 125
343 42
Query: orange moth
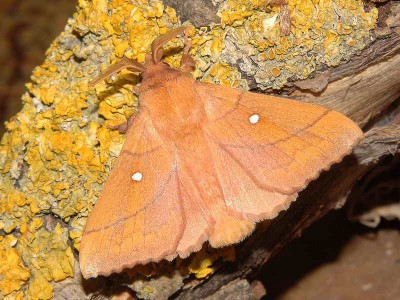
203 162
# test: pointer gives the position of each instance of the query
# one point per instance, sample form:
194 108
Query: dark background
26 31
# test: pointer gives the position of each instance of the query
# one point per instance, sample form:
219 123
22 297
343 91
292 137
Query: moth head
152 63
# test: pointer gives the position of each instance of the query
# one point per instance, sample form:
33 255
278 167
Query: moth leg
285 21
136 89
123 63
122 128
187 63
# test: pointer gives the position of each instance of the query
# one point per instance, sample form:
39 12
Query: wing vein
258 184
183 212
254 148
155 199
237 104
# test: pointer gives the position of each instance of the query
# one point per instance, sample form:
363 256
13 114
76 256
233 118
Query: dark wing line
256 182
216 173
182 230
237 104
186 190
200 193
295 134
155 199
222 99
274 145
134 155
289 137
254 179
263 146
183 212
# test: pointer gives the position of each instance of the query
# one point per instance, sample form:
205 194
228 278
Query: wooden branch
378 142
361 96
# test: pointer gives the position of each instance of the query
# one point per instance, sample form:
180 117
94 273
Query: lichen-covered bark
58 151
199 13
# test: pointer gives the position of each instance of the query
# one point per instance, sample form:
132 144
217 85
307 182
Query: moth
203 162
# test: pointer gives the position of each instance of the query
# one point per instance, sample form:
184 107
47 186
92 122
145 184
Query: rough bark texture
199 13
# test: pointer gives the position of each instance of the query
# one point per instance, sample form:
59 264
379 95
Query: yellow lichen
13 273
148 290
39 288
328 31
15 296
201 264
48 252
276 72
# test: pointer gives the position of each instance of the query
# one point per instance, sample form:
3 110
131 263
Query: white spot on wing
254 119
137 176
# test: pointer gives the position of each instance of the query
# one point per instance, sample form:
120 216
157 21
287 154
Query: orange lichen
201 264
14 274
328 31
